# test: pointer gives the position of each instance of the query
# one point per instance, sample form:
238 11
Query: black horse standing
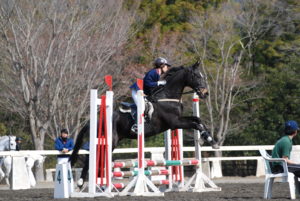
167 111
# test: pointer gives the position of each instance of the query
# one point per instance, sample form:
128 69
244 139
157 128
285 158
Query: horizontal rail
192 149
41 152
147 149
237 158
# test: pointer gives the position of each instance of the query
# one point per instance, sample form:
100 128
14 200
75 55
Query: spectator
18 143
64 144
283 148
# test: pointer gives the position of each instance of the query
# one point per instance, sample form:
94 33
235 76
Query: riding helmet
160 61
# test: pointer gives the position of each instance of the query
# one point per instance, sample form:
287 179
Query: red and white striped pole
199 182
101 143
140 184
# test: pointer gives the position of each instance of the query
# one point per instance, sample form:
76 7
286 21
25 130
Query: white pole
167 136
180 136
93 140
196 112
109 120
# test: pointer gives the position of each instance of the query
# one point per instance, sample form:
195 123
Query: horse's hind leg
84 172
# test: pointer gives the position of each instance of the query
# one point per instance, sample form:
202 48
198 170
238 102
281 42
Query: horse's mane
167 76
172 72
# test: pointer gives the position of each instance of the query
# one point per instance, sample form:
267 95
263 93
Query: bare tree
220 48
53 53
255 19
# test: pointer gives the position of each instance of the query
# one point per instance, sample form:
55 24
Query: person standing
18 143
64 144
283 148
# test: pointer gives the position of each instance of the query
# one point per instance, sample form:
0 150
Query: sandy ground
241 189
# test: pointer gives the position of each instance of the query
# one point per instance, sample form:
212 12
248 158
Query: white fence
214 167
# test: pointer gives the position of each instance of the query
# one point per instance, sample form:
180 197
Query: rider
151 80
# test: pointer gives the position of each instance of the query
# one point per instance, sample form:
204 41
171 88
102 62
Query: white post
180 136
167 136
62 181
109 120
19 175
94 102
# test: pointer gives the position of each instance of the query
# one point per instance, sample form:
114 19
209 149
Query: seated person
283 148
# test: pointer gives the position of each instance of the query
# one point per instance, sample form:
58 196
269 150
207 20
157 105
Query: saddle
131 108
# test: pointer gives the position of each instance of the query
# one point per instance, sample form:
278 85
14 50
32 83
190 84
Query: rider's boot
207 137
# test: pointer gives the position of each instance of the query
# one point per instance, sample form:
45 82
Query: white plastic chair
285 176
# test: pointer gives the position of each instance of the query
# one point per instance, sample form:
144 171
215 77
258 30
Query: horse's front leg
194 123
2 175
7 164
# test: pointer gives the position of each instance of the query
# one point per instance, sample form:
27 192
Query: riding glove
162 82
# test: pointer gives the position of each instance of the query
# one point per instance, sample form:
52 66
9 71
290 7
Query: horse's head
8 143
12 143
197 81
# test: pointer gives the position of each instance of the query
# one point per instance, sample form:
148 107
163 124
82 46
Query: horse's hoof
80 182
215 146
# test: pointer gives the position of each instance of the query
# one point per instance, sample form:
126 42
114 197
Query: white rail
41 152
192 149
147 149
156 151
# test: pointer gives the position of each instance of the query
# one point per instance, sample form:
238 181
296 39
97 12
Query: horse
30 161
7 143
165 102
33 160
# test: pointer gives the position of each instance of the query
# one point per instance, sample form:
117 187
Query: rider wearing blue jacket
151 80
64 144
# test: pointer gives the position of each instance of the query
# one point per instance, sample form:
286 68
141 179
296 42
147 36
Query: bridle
9 144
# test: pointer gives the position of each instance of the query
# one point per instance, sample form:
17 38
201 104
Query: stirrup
134 128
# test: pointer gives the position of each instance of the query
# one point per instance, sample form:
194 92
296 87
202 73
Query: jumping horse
166 107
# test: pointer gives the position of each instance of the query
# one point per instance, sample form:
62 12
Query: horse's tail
78 144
